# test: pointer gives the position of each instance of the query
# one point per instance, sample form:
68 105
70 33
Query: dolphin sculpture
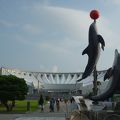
93 50
113 74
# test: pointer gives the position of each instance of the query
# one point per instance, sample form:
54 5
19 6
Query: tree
12 88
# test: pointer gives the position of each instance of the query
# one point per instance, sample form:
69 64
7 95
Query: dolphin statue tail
108 74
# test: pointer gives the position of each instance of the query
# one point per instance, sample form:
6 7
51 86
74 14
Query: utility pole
38 87
1 71
95 89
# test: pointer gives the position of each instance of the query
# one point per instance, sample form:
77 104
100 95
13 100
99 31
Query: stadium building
59 84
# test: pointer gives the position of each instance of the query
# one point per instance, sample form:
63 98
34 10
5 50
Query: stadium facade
52 83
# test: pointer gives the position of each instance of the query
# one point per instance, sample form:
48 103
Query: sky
50 35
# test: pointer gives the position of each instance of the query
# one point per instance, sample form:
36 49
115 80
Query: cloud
72 24
7 23
31 29
70 21
109 35
58 49
75 23
65 34
55 69
116 2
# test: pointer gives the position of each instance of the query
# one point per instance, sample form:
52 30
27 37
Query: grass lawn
21 106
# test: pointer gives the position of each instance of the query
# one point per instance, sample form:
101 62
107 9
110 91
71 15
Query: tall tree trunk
5 103
9 107
12 105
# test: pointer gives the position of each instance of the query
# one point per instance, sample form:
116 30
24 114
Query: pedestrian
41 102
58 104
52 102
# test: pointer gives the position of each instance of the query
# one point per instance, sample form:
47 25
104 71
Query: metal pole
38 87
1 71
95 89
28 105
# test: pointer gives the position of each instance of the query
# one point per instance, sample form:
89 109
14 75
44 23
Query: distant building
30 87
54 83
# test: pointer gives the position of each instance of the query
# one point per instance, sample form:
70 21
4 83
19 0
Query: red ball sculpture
94 14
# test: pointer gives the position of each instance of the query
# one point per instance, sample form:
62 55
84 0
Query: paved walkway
38 115
40 118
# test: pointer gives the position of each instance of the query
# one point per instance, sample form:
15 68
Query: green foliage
116 97
12 88
21 106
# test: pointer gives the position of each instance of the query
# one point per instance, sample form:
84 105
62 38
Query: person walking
58 104
52 102
41 102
